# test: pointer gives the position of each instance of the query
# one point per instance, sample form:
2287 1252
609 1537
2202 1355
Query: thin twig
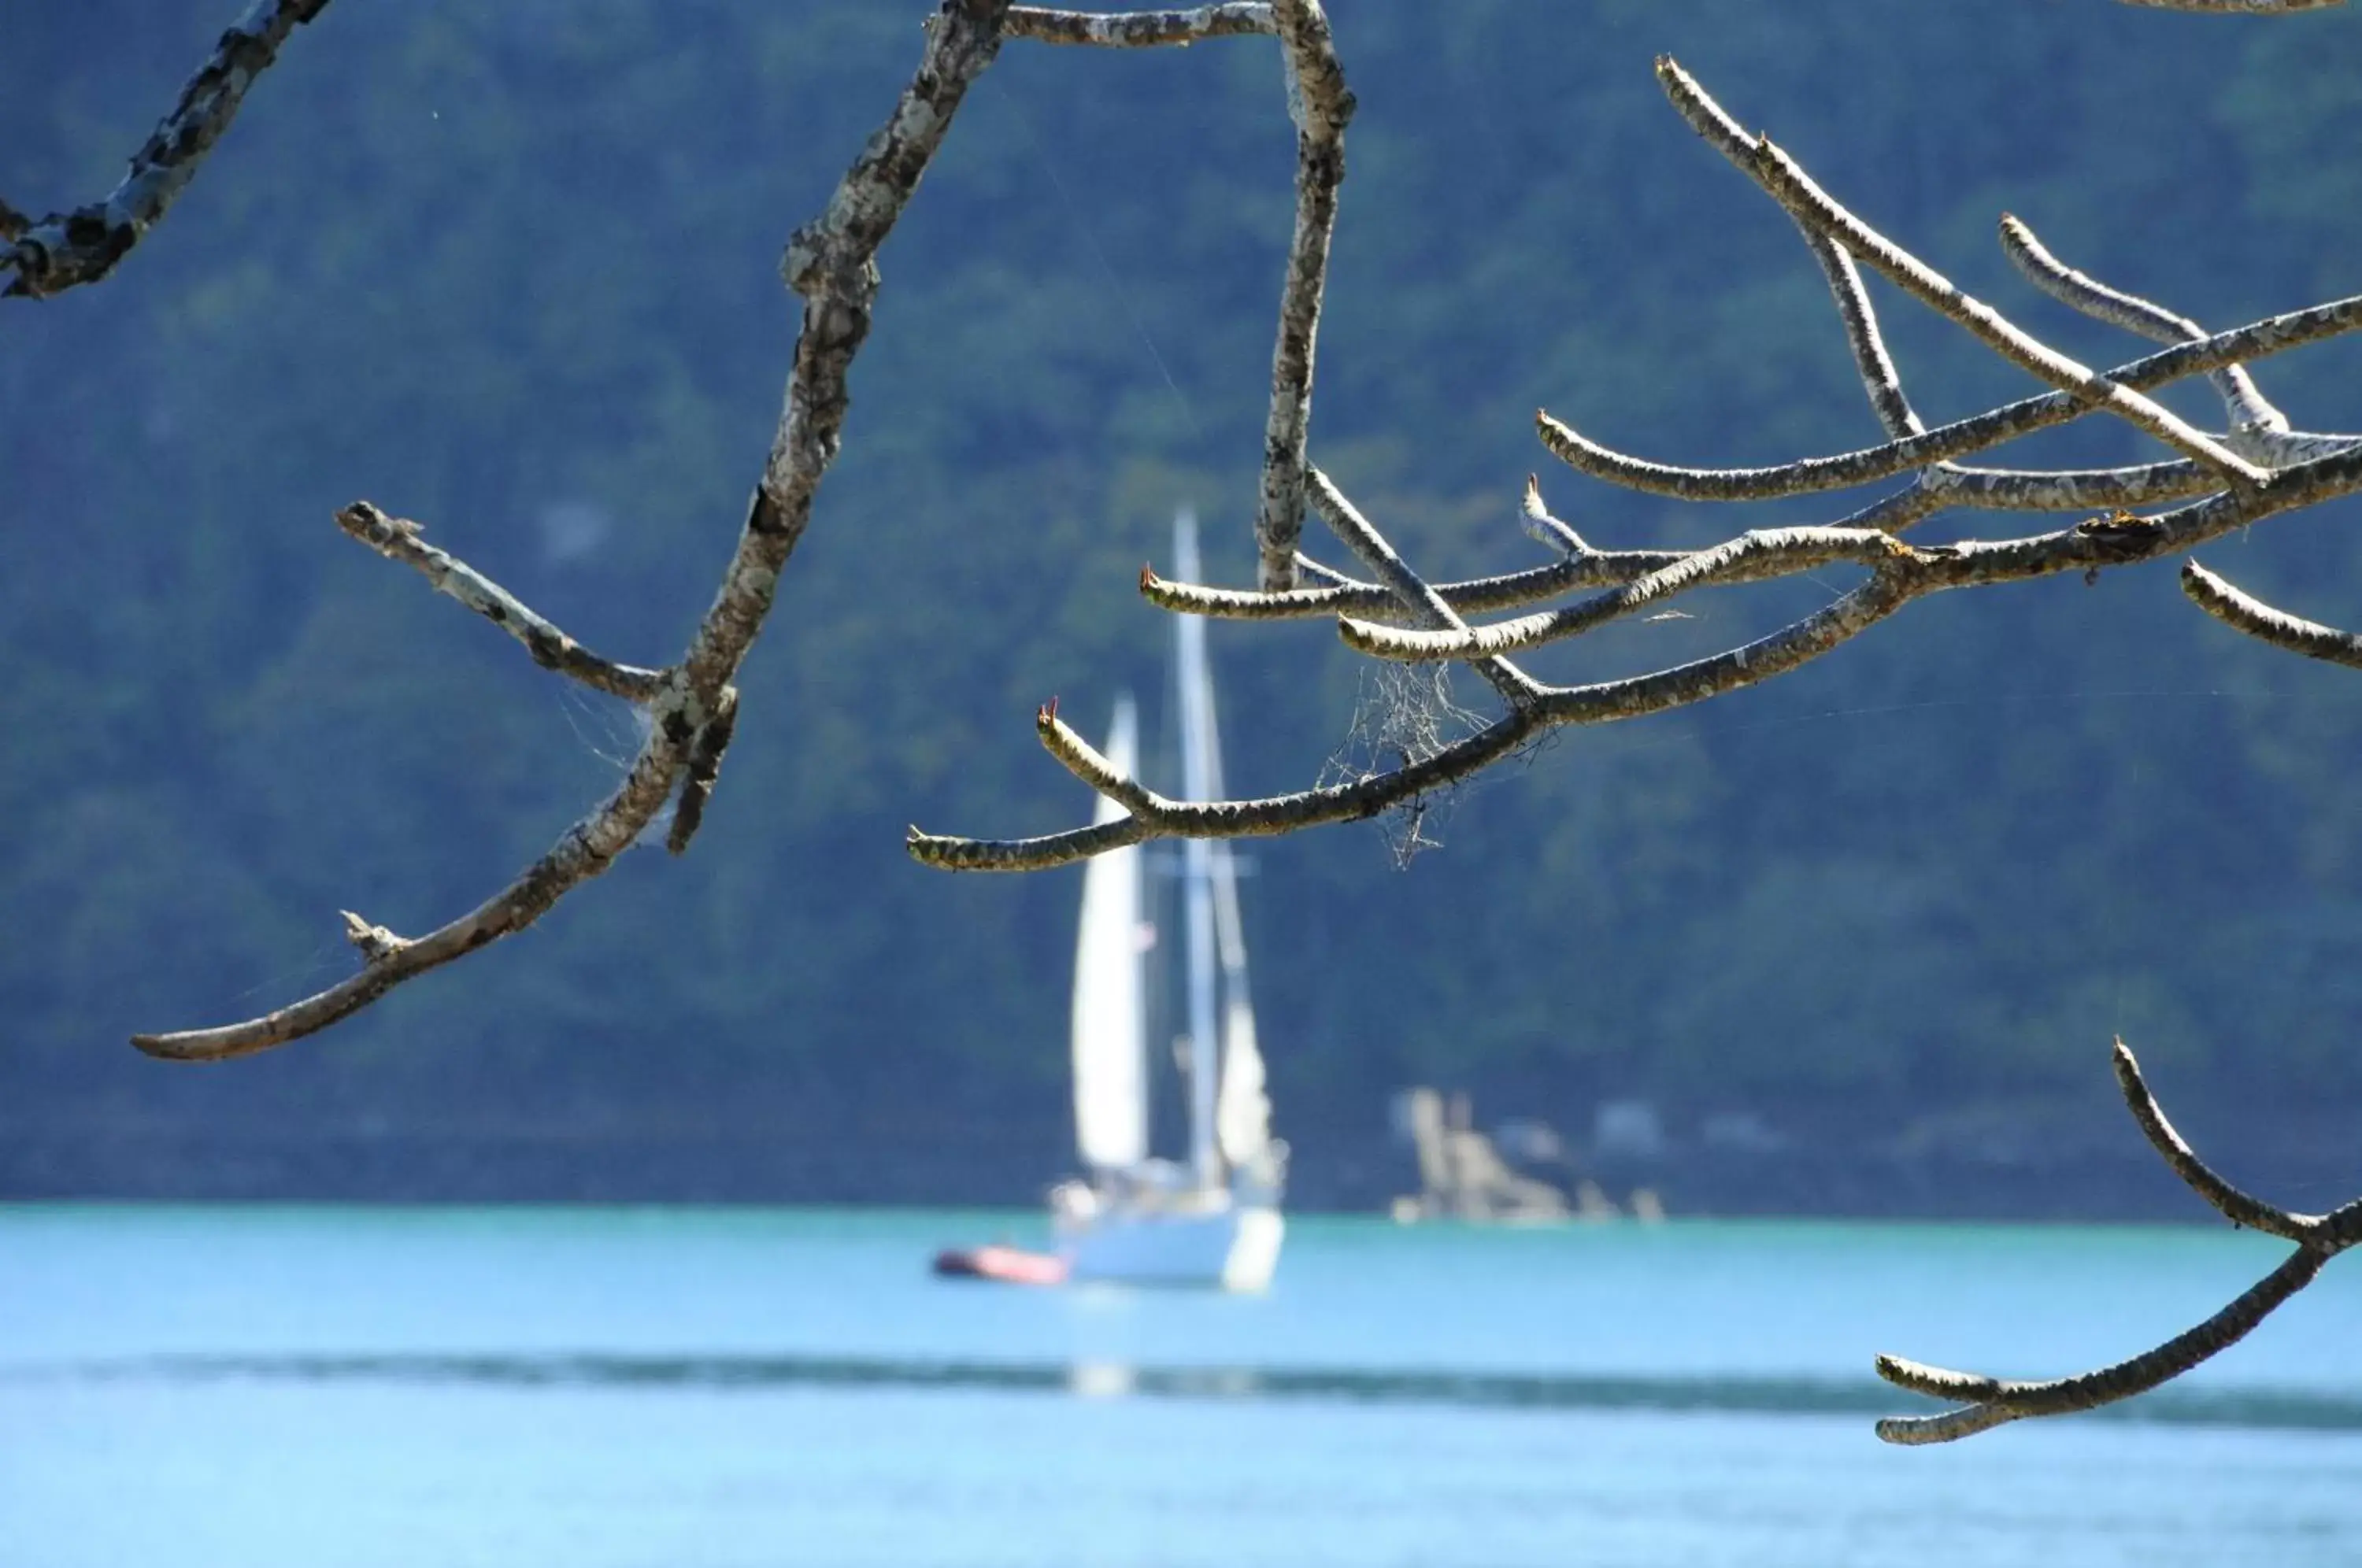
2234 1205
1546 530
2010 1400
582 852
1880 379
2244 612
1086 763
1322 575
399 539
2248 406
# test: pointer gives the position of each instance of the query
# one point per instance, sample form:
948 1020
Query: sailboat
1212 1219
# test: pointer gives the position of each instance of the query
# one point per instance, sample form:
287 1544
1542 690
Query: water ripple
2275 1408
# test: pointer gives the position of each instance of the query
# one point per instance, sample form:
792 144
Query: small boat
1212 1220
1007 1266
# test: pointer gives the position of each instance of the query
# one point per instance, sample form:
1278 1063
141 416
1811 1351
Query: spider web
1403 715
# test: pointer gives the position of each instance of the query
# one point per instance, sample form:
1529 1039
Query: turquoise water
261 1386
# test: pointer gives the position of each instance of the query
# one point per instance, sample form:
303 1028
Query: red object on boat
1007 1266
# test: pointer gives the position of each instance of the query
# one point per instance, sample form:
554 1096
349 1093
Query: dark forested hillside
511 271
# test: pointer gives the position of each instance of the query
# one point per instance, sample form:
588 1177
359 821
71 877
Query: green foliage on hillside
511 271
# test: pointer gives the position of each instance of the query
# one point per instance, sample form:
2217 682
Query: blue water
588 1389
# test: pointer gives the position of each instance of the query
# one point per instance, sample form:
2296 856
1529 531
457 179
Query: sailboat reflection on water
1213 1219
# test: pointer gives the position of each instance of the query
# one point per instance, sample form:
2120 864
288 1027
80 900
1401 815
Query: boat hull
1231 1248
1004 1265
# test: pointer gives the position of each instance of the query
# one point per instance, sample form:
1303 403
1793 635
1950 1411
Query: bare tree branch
1085 762
2245 7
1265 818
1880 379
2262 468
1139 29
2246 405
1409 588
2121 539
1998 1400
2227 1200
2247 613
1546 530
1903 574
2064 489
1777 552
1604 702
1807 475
2258 429
58 252
1786 183
1945 484
1940 487
1320 104
1370 601
583 851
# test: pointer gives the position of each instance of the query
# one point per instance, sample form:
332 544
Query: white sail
1242 1106
1111 1035
1193 685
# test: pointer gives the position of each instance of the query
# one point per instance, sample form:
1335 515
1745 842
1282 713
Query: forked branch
2258 468
1961 438
2246 404
400 539
1987 1402
831 263
2261 468
1411 592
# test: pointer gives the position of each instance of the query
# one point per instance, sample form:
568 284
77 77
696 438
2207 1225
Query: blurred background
1851 945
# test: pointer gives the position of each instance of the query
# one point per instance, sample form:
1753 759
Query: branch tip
375 942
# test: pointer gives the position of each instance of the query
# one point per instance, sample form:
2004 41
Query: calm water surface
674 1389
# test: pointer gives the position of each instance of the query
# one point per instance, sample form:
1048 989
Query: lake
678 1388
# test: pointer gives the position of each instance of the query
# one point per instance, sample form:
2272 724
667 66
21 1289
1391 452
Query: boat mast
1194 681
